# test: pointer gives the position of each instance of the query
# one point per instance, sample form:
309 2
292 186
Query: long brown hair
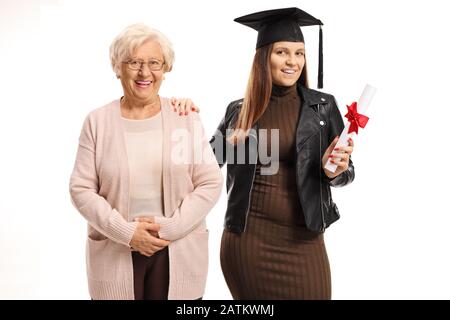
257 94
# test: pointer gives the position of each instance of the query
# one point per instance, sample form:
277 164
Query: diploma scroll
356 116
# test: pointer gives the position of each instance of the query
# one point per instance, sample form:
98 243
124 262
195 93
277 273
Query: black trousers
151 275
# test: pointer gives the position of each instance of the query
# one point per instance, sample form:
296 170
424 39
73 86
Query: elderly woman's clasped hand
145 239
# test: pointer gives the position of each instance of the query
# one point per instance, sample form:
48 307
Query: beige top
143 140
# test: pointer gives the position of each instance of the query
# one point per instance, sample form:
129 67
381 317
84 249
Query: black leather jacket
319 122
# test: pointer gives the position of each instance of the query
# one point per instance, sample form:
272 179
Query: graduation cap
283 25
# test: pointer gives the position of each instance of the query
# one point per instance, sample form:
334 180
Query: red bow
356 119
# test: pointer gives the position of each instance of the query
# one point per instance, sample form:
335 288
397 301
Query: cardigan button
322 123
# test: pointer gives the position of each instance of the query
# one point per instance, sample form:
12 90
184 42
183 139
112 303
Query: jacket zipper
328 195
320 173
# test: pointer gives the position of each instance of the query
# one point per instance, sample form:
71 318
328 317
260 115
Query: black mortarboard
283 25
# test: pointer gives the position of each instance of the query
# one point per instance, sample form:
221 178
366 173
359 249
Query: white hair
132 37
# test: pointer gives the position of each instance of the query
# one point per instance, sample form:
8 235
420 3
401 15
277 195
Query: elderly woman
144 194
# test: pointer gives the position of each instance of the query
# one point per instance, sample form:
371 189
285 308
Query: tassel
320 72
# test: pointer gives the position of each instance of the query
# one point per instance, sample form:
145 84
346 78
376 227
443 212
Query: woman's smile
143 83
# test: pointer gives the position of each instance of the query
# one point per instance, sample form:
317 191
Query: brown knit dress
277 257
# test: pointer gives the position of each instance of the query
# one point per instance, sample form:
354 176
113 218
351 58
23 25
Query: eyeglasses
153 64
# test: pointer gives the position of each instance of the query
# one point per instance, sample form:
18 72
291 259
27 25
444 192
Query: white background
392 240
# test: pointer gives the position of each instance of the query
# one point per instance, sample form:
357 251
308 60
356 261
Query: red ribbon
356 119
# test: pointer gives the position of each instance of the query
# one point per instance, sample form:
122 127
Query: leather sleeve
218 140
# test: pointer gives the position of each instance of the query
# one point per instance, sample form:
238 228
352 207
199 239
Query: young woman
273 245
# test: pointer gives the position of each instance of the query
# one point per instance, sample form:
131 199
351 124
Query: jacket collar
310 97
310 122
